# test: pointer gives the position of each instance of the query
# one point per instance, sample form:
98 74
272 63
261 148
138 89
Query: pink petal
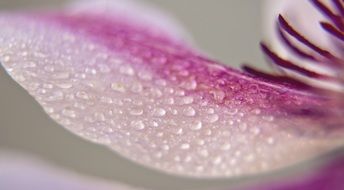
136 87
325 177
19 172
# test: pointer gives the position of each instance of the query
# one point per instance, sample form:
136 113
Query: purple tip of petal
327 177
292 66
284 24
333 30
340 6
294 47
277 78
336 19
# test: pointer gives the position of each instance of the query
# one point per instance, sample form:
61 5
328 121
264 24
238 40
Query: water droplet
48 86
156 92
69 113
185 146
232 111
187 158
178 131
49 68
99 116
118 87
138 125
64 85
6 58
189 111
82 95
180 93
268 118
217 160
187 100
90 71
174 111
197 125
218 95
136 111
204 152
106 100
30 65
165 147
243 126
104 68
255 130
189 84
61 75
127 70
159 112
249 158
145 76
104 140
57 95
153 124
226 146
169 101
49 110
210 110
158 154
257 111
136 88
200 142
212 118
271 140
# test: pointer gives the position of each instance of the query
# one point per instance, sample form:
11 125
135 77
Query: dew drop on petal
197 125
159 112
138 125
189 111
118 87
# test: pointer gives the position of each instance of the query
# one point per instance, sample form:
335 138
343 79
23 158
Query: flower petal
304 16
307 36
117 80
19 172
329 176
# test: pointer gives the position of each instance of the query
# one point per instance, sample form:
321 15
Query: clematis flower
127 77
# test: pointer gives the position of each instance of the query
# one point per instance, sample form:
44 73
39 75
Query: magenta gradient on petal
193 72
328 177
130 86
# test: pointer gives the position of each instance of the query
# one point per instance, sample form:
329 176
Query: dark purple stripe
336 19
290 30
332 30
291 66
276 78
294 48
340 6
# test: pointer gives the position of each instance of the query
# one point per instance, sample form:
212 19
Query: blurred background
228 30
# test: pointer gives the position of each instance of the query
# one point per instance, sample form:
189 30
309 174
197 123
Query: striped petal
114 75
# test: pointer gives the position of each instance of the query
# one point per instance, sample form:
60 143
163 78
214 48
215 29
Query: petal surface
139 89
329 176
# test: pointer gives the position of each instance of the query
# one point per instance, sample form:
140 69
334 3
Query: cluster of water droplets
114 101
